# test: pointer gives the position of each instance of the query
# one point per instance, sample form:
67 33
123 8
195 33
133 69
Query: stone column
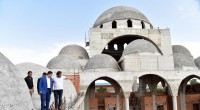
110 46
120 47
154 101
127 103
182 95
174 100
118 101
182 100
127 95
142 87
86 104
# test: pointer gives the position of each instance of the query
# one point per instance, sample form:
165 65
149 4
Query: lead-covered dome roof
120 13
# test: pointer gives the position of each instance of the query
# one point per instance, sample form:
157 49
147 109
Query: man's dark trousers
46 98
58 98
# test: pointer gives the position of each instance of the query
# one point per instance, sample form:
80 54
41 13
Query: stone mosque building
138 60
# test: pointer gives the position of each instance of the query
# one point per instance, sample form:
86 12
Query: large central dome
120 13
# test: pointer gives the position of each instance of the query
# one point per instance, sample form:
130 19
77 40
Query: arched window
106 47
143 25
125 45
115 47
114 24
129 23
101 26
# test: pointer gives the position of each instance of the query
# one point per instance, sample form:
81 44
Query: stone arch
152 80
120 41
97 77
184 92
90 94
161 77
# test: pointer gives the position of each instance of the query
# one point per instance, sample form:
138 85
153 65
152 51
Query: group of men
45 86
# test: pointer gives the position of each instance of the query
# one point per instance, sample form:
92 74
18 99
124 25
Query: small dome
139 45
14 92
197 62
120 13
63 62
102 62
35 68
181 60
181 49
75 51
37 73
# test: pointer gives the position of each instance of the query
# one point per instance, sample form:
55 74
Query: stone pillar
182 100
120 47
110 46
86 104
127 103
118 101
92 90
174 100
142 87
127 95
154 101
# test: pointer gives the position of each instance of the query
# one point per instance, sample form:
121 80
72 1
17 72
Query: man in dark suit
45 90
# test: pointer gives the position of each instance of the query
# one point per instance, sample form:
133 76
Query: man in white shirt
58 89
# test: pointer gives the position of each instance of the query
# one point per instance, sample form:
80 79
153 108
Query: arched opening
125 45
114 24
129 23
189 93
104 94
101 26
151 92
143 24
115 47
106 47
121 41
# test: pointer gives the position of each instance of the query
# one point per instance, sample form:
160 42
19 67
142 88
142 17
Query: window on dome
114 24
143 25
129 23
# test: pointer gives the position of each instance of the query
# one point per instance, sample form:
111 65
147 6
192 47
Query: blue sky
35 30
